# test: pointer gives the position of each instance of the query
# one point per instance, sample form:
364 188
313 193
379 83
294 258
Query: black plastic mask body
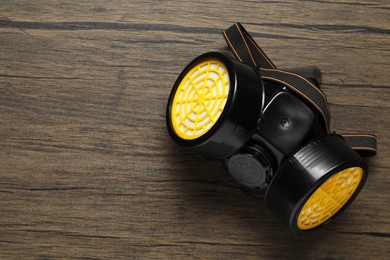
268 136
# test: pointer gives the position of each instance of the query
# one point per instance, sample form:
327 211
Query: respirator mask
270 128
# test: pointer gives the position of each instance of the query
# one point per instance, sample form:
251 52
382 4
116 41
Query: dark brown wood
87 169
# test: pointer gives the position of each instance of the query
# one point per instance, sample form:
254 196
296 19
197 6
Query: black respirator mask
270 128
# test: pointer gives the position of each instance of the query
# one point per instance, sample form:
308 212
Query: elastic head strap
247 51
245 48
365 144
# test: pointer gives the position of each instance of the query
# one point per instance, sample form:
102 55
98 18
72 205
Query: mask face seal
270 128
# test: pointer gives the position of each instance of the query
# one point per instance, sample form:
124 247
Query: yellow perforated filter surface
200 99
329 198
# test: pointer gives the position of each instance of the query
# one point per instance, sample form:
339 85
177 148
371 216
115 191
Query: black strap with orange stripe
363 143
247 51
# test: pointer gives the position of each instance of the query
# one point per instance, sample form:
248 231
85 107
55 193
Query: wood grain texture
87 169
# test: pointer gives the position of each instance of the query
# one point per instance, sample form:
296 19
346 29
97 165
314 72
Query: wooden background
87 169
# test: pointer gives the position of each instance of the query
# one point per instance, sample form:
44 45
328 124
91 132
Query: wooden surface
87 169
